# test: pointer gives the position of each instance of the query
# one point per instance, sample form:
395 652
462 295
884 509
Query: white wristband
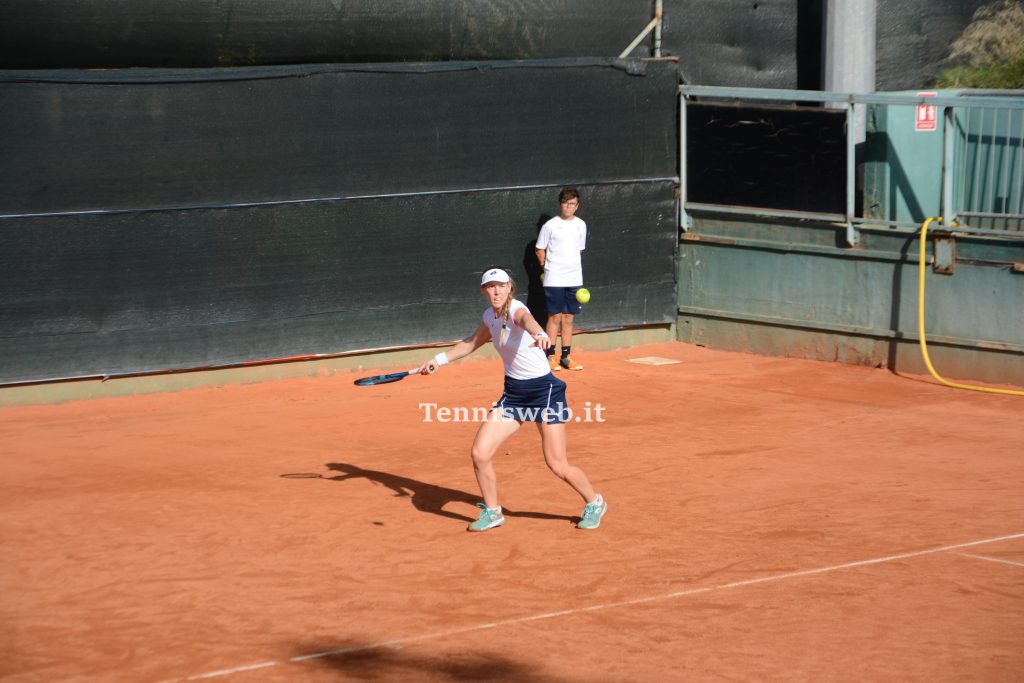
441 359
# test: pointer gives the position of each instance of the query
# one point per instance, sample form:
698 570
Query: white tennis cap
494 275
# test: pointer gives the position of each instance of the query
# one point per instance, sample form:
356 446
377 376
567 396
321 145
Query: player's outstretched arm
465 347
526 321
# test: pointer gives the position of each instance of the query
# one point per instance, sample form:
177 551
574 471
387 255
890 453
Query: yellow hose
920 323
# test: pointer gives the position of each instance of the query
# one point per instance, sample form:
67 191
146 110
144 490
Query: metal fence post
948 148
684 217
852 233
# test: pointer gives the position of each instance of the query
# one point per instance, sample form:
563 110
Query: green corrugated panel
989 166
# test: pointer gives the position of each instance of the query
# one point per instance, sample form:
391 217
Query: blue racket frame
385 379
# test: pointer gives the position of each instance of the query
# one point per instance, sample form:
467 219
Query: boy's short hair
567 194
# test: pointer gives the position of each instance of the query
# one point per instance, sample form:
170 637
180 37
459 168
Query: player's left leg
553 441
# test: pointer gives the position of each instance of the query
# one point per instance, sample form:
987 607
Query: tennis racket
385 379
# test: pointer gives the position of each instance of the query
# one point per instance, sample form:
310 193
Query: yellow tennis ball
582 295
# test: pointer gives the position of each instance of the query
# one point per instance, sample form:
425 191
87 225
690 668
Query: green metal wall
788 289
903 166
903 169
795 288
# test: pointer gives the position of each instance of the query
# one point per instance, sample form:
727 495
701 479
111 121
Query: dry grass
990 52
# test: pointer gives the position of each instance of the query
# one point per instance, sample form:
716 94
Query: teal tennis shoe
592 514
488 519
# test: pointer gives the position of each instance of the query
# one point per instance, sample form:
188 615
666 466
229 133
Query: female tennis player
532 394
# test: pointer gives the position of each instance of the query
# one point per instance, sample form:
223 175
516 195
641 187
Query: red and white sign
926 115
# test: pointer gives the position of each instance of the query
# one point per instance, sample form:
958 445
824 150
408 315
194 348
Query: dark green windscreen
197 222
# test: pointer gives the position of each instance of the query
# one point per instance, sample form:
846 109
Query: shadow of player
426 497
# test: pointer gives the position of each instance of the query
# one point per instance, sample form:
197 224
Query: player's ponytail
504 313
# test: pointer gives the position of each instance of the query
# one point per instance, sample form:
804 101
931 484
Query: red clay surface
770 519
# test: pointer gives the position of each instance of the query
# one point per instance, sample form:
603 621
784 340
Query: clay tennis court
770 519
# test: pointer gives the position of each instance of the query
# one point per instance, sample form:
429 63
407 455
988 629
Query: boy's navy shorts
562 300
541 399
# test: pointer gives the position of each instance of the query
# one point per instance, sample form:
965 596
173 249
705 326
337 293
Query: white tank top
512 342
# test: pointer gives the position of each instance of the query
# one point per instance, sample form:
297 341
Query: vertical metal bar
684 217
948 146
990 204
659 13
961 201
1020 185
852 234
1005 207
974 203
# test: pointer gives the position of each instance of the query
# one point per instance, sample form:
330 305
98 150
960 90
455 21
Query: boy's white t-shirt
563 240
522 361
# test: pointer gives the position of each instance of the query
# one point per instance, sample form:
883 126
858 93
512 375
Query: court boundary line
991 559
399 642
235 670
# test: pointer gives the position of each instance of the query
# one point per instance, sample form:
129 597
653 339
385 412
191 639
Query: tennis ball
582 295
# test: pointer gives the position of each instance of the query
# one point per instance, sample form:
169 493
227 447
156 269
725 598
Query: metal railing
988 165
983 155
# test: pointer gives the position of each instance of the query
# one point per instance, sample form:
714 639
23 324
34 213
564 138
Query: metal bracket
852 235
655 23
944 250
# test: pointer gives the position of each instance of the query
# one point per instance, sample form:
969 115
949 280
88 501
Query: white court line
992 559
398 642
228 672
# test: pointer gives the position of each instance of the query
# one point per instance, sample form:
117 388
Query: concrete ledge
356 364
964 361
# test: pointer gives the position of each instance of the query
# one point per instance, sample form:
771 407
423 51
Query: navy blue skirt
541 399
